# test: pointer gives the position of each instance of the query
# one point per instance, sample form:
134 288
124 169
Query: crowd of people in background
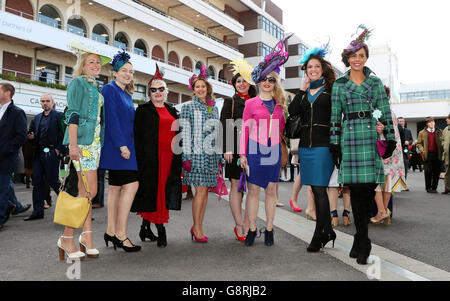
348 144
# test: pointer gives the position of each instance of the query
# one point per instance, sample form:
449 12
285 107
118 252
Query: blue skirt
316 166
264 163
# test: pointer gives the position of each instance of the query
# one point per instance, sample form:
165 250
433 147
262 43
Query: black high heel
250 239
331 236
355 247
146 232
268 237
162 238
365 247
112 239
134 248
315 245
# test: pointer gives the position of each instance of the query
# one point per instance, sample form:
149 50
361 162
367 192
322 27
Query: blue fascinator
119 60
272 62
322 51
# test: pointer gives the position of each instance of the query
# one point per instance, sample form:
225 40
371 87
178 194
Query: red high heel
203 239
295 209
240 238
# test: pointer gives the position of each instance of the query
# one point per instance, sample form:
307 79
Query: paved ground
419 230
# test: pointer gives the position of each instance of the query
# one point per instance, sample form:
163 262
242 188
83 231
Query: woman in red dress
158 167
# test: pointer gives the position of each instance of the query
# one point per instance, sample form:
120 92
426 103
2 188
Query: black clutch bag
292 128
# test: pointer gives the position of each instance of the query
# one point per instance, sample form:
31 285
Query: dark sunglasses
271 80
159 89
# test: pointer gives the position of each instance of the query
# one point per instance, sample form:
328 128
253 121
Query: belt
358 115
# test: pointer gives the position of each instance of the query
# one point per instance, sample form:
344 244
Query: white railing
20 13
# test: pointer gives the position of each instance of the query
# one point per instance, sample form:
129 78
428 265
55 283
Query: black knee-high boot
361 198
162 239
146 231
323 232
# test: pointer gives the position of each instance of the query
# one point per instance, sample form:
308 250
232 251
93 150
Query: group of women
338 129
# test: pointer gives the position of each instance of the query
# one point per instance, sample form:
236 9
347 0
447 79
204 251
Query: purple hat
359 43
272 62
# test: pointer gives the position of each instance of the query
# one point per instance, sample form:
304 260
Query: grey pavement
419 230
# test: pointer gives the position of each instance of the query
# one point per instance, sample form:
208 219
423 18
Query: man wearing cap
47 136
430 145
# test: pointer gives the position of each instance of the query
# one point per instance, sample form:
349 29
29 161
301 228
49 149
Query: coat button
351 128
132 136
368 126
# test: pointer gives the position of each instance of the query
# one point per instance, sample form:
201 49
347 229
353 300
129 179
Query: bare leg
311 209
380 205
236 208
252 205
295 190
198 205
346 198
113 199
123 212
271 204
333 195
386 198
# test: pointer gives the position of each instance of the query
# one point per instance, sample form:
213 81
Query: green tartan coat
358 137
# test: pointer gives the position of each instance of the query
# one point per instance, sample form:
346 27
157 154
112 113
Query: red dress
165 155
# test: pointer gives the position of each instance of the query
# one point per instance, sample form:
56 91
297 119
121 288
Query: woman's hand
228 157
244 162
305 83
75 152
125 152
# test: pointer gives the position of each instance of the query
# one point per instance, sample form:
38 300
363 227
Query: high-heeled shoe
162 238
309 216
250 239
326 237
133 247
364 251
78 255
388 218
109 238
146 232
91 253
268 238
354 252
240 238
380 221
346 218
203 239
315 245
334 218
295 209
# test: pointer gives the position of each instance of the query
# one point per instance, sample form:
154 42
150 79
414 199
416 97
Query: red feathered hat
158 75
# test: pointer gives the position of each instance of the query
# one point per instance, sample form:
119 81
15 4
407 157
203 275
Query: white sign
31 103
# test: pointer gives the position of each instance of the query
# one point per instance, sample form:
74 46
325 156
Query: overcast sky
417 30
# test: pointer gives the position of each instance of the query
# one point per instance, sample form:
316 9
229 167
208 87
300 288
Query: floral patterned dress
91 153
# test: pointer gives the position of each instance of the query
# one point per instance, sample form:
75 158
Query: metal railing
19 13
32 76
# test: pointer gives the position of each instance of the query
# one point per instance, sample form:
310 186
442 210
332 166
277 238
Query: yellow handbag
72 211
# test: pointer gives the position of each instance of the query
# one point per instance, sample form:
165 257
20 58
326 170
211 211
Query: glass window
140 92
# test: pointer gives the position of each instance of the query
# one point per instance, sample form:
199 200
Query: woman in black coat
232 110
159 168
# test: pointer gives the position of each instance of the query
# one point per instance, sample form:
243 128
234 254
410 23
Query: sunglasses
159 89
271 80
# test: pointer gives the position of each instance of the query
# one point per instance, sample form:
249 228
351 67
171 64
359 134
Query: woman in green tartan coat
358 101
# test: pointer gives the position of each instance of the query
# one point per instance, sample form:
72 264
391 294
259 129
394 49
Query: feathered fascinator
242 67
158 75
203 74
272 62
359 42
120 59
79 48
322 51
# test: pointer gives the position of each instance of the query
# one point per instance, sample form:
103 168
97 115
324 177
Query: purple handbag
242 187
381 147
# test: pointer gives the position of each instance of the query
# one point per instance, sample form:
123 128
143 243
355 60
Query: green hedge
13 78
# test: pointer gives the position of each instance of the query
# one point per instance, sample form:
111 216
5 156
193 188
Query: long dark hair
327 70
251 91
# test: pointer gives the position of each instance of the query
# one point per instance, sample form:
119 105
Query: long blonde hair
78 68
278 92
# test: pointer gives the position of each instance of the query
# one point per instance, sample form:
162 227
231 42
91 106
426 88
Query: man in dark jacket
406 142
13 134
47 136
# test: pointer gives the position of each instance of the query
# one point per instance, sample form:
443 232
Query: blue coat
119 129
13 134
55 132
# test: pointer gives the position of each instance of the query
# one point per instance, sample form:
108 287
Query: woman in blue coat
118 154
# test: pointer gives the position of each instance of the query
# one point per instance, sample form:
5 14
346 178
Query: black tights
323 223
362 197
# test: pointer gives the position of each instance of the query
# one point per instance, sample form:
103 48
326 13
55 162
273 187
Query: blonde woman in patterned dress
84 135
